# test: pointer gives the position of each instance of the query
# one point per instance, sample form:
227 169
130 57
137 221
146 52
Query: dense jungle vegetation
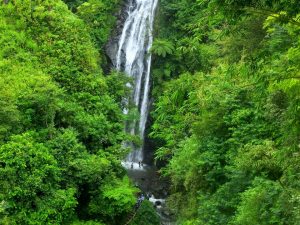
61 120
226 117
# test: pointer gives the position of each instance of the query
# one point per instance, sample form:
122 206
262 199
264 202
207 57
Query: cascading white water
134 58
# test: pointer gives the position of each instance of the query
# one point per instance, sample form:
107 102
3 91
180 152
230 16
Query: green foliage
117 198
162 48
90 222
30 179
98 15
61 123
226 115
259 204
146 215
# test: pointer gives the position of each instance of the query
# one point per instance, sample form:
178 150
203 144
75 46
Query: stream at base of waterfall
149 181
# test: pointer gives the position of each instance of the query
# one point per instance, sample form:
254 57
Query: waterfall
134 58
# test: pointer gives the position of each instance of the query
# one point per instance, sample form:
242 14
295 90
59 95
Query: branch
267 12
254 84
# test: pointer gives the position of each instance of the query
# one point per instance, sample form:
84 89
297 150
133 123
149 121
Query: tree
30 180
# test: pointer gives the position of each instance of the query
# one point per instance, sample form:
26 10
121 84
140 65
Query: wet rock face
149 143
157 203
111 47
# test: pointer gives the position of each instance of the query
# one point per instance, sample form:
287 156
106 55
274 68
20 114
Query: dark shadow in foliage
146 215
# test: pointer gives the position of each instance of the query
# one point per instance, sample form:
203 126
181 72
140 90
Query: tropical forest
150 112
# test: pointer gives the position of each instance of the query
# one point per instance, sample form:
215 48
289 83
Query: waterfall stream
134 58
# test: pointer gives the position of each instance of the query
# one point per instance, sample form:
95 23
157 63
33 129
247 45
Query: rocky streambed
156 187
